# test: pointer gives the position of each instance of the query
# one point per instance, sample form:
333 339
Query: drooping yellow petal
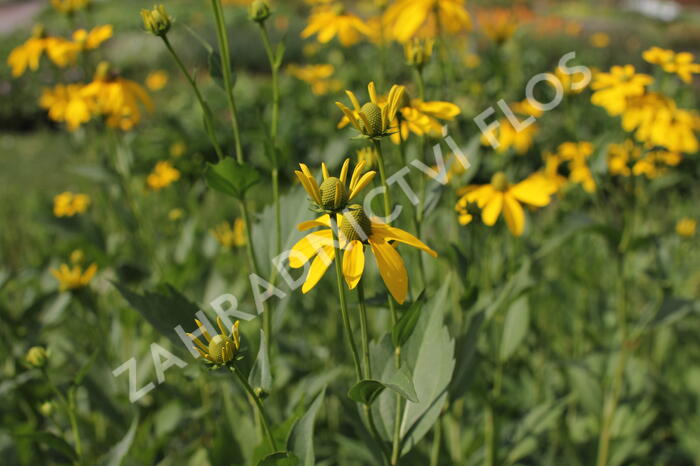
308 247
353 263
492 209
532 191
514 214
392 269
323 221
318 267
384 232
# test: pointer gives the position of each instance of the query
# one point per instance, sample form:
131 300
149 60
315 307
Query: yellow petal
392 269
318 268
492 209
353 263
344 171
324 170
353 99
322 221
514 215
362 182
532 191
384 232
308 246
372 93
203 330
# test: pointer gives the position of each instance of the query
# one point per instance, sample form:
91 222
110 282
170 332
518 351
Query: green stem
341 297
225 54
382 175
258 404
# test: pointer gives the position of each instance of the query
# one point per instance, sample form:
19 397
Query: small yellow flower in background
355 231
600 40
409 18
571 83
333 195
500 196
374 118
66 103
613 89
73 278
70 6
681 63
367 155
685 227
577 154
498 24
418 52
177 149
68 204
221 348
175 214
156 80
508 136
328 21
116 98
90 40
156 21
37 356
162 175
422 118
550 171
77 257
620 156
317 76
28 55
230 235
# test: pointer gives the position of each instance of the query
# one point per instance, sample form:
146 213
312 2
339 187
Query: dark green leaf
260 373
231 177
366 391
280 458
407 323
301 441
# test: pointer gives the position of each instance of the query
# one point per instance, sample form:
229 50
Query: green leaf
280 458
384 370
116 454
515 327
164 309
407 323
301 441
52 441
366 391
231 177
260 376
279 54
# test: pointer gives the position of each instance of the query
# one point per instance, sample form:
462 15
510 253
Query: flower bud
259 11
374 119
355 224
334 196
157 21
418 52
36 356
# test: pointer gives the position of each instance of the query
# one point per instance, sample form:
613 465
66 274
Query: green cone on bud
157 21
37 356
259 11
358 226
334 196
374 119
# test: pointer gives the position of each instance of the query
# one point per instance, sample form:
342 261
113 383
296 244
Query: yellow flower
600 40
577 154
550 172
620 156
175 214
422 118
498 24
317 76
70 6
157 21
508 136
67 104
77 257
500 196
162 175
60 51
221 348
156 80
367 155
672 62
374 118
686 227
355 231
68 204
73 278
613 89
328 21
90 40
230 235
117 98
418 52
569 80
37 356
333 195
409 18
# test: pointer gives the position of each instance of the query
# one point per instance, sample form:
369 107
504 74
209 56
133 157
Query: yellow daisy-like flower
60 51
500 196
577 154
423 118
317 76
374 119
230 235
328 21
508 136
221 348
613 89
117 98
681 63
67 104
620 156
686 227
550 171
332 194
70 6
90 40
570 83
73 278
410 18
162 175
418 52
356 231
68 204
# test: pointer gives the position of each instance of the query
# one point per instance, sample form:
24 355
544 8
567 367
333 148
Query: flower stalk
258 404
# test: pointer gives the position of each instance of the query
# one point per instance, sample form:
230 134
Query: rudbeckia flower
317 76
68 204
162 175
70 6
681 63
230 235
685 227
327 21
409 18
221 348
333 195
356 231
67 104
508 136
90 40
500 196
373 119
613 89
423 118
73 278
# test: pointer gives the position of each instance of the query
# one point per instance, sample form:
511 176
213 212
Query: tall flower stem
261 409
225 54
69 405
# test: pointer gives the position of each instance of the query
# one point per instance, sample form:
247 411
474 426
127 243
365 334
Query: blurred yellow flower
367 155
508 136
672 62
230 235
422 118
317 76
60 51
600 40
500 196
70 6
620 156
89 40
498 24
221 348
686 227
68 204
614 88
570 83
73 278
409 18
355 231
577 154
374 119
77 256
175 214
418 51
328 21
67 104
162 175
156 80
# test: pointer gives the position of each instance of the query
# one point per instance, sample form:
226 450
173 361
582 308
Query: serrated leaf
301 441
407 323
366 391
231 177
260 376
515 327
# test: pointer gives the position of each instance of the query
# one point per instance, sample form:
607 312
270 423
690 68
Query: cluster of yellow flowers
68 204
520 139
317 76
230 235
163 175
627 159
